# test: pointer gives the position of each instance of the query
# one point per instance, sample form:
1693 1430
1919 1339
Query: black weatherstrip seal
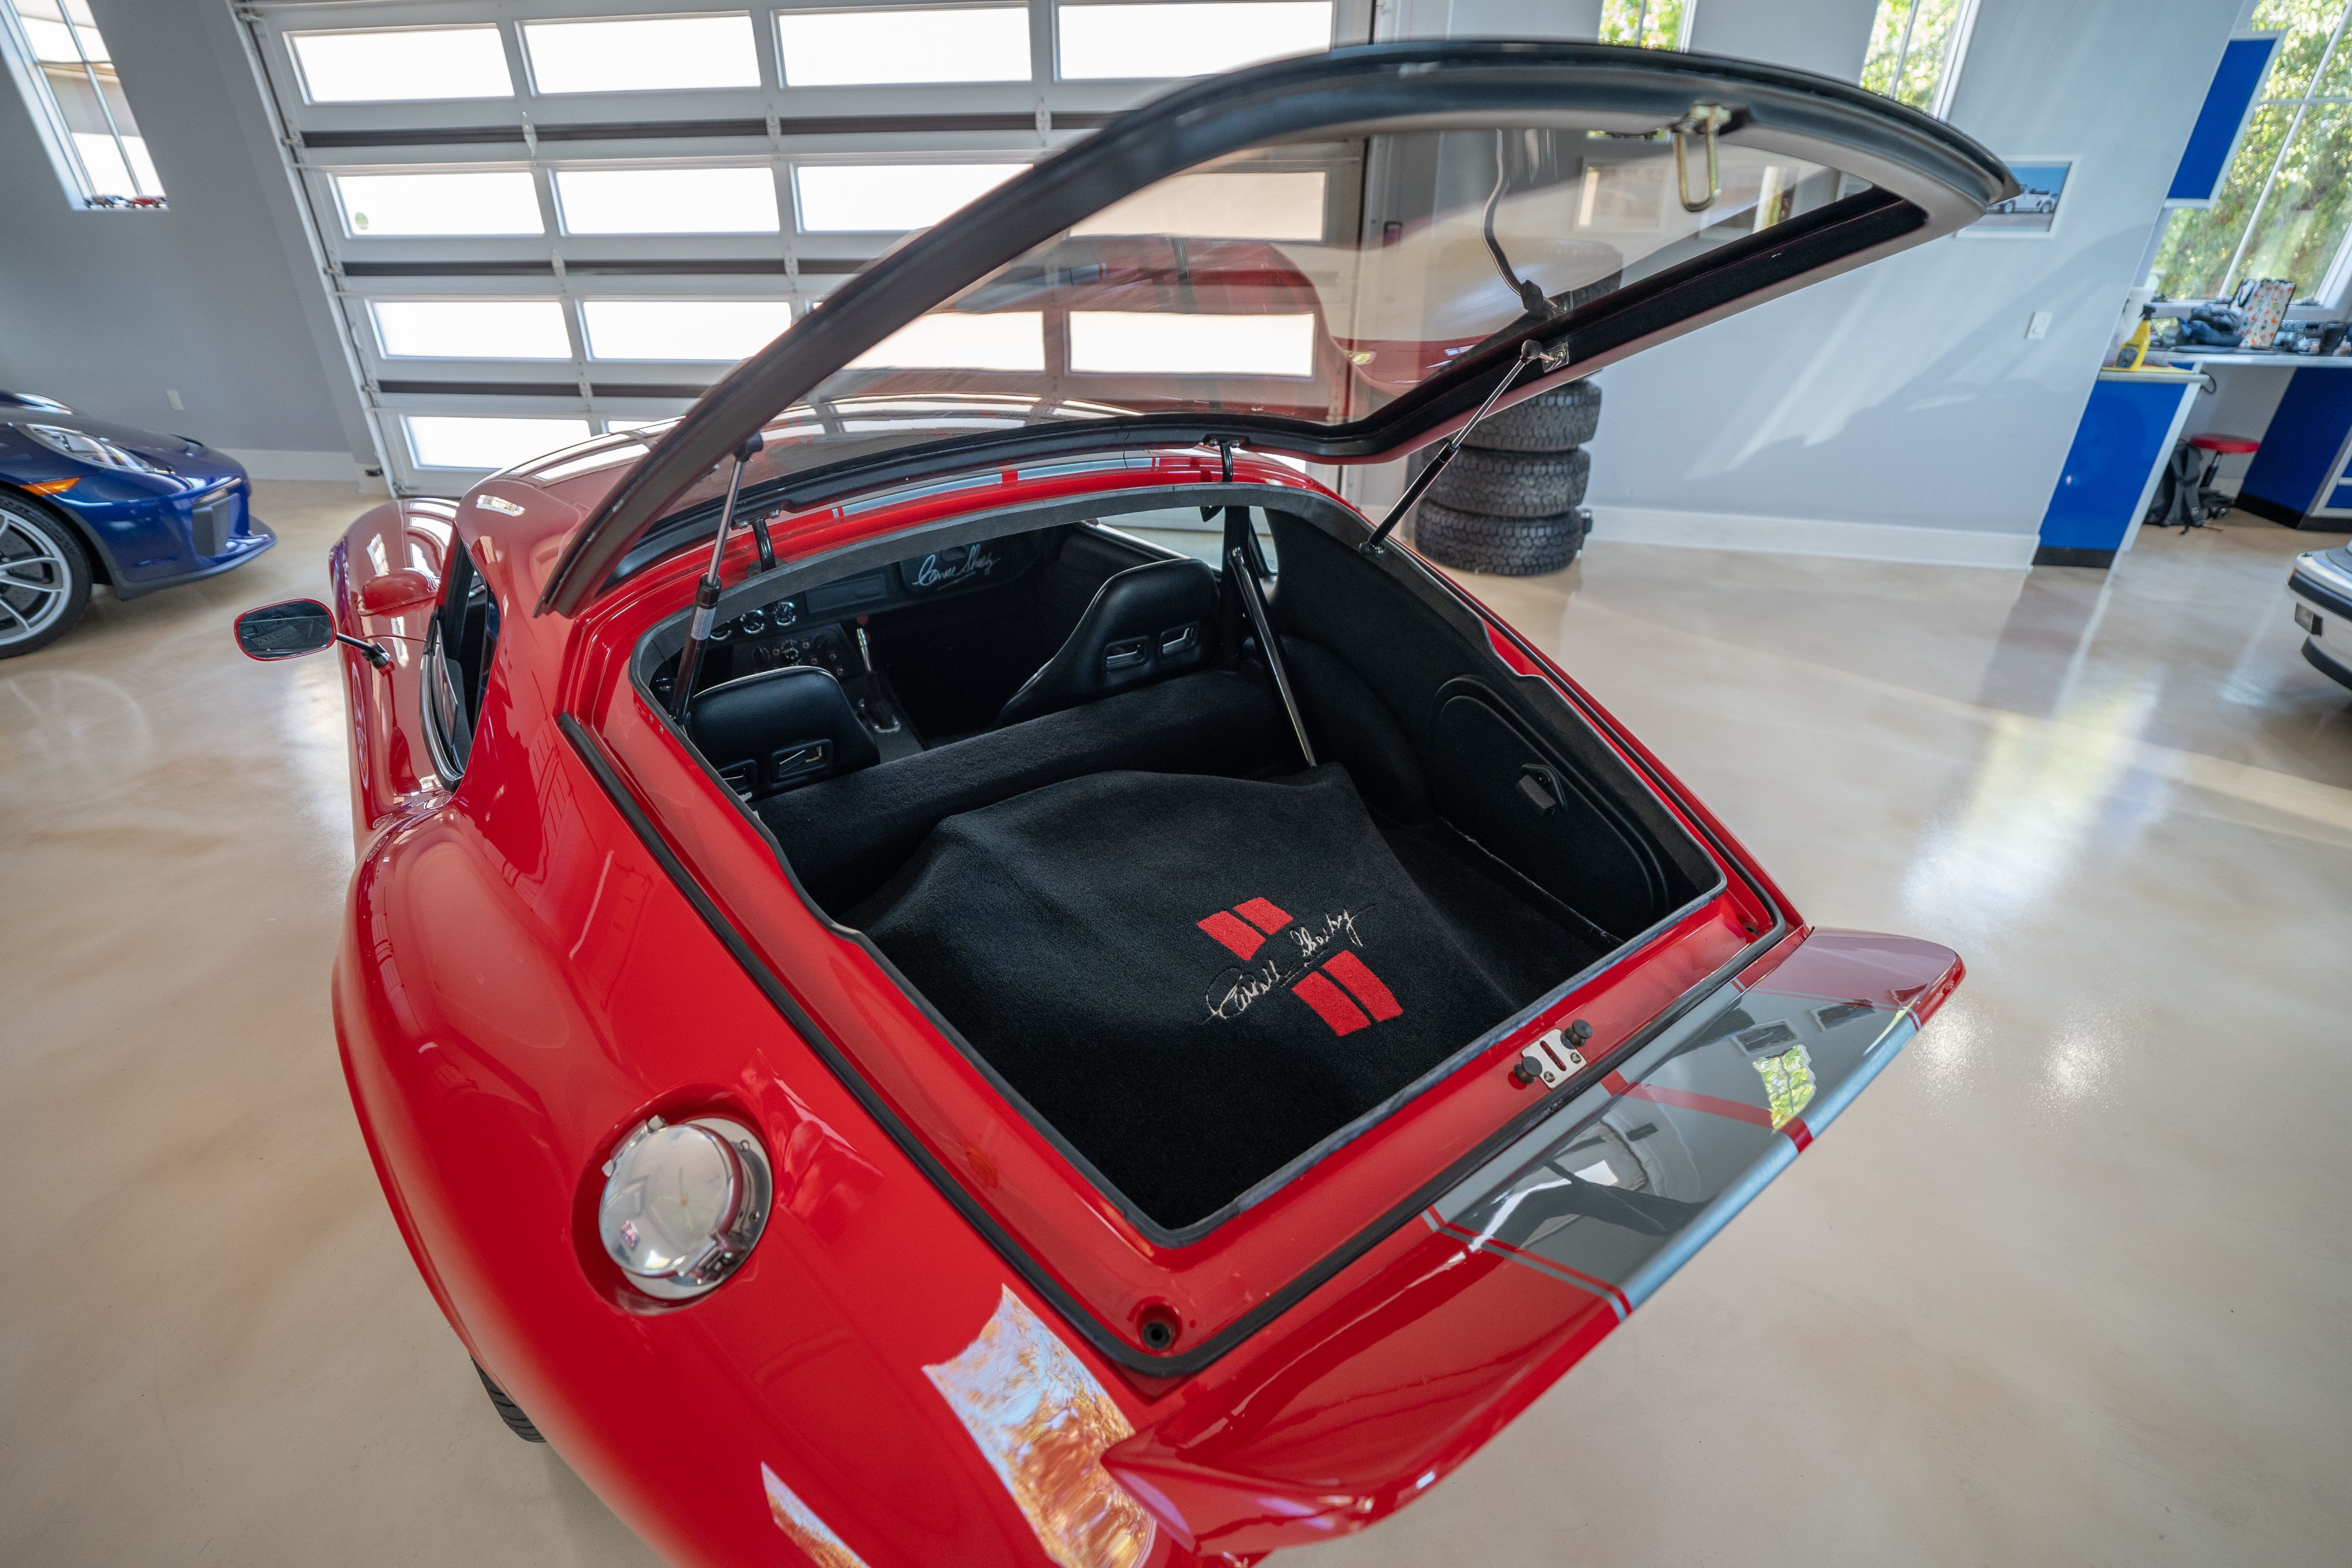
1098 1333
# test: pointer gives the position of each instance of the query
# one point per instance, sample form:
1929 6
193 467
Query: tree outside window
1916 48
68 76
2285 206
1647 23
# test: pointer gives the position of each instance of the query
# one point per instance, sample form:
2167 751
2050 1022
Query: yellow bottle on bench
2132 355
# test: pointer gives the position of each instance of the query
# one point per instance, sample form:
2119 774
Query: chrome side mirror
286 631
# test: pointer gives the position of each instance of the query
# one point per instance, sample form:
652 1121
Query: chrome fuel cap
683 1203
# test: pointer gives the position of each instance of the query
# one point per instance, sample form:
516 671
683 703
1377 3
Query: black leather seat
780 729
1145 624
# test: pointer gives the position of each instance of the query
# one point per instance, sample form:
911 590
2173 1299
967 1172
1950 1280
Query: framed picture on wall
2033 212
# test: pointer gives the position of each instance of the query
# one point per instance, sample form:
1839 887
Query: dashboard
819 625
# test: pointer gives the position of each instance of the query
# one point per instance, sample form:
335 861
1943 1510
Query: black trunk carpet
1194 979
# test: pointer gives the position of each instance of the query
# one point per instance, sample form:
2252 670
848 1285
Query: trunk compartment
1194 970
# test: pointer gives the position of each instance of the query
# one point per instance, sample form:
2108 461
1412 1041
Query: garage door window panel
667 201
889 198
453 203
687 330
392 65
1157 39
892 47
642 54
471 329
479 441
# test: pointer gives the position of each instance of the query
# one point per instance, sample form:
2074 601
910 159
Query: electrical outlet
172 396
2037 326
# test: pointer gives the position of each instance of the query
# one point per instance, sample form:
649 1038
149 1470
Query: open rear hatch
1339 258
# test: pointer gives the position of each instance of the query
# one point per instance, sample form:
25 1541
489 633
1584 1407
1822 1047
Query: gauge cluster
757 622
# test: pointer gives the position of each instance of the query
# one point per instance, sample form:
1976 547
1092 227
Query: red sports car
953 962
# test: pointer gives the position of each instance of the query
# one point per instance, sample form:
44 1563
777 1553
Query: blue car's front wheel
44 577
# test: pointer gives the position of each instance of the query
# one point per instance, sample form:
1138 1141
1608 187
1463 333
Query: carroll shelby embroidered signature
1315 962
1281 969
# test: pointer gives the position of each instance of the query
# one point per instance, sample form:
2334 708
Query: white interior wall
1900 412
213 299
1829 37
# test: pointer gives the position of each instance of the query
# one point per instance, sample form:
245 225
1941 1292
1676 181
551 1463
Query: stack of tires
1510 502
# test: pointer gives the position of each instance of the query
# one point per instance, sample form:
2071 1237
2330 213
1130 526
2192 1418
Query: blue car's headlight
94 450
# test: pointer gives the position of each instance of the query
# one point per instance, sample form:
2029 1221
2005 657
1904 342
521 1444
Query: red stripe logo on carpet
1342 991
1238 938
1363 984
1331 1004
1263 915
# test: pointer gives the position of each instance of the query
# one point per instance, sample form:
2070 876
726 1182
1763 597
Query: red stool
2215 448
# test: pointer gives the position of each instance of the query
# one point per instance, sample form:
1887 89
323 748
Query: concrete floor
2070 1284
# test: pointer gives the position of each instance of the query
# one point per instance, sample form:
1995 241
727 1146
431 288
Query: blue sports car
83 502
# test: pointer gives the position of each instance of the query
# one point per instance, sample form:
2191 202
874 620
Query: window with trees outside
2285 206
1916 49
1647 23
67 74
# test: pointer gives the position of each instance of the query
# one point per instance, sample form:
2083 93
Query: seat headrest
779 729
1145 624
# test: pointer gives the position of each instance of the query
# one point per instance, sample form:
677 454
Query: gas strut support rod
1246 580
1529 355
706 592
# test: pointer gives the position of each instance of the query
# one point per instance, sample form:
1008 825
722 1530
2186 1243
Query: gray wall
214 298
1907 393
1826 36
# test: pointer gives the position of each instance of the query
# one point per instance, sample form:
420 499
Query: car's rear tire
509 1411
1513 484
1557 421
45 578
1504 547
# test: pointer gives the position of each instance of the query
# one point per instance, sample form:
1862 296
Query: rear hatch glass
1332 258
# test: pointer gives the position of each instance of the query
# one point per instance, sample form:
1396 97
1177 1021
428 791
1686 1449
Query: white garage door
545 219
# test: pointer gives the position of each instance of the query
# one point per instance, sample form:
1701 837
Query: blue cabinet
2303 474
2128 431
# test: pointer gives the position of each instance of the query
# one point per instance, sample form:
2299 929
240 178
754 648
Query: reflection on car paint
1043 1422
804 1528
820 1179
1615 1191
1788 1083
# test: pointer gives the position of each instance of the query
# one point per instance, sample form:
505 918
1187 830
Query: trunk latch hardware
1555 1057
1704 119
